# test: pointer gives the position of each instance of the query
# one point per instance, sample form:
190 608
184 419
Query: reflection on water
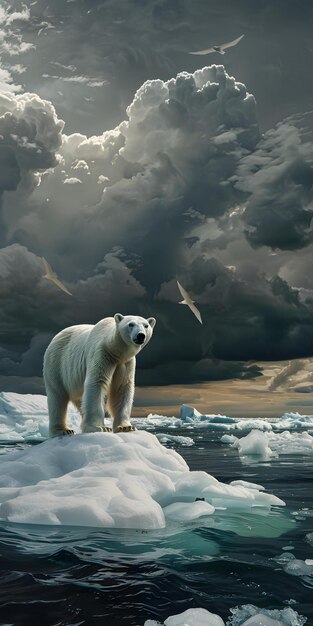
65 575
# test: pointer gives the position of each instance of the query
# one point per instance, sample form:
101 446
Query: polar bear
93 366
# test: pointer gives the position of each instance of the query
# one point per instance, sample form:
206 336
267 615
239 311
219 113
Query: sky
130 164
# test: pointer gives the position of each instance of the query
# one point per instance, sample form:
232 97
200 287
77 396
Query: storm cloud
185 187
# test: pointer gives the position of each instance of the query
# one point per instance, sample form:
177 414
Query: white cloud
6 82
72 181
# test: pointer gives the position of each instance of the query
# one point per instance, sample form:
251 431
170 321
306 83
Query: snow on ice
124 480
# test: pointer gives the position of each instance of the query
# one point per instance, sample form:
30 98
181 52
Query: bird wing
59 284
206 51
51 275
230 44
48 267
222 47
183 292
196 312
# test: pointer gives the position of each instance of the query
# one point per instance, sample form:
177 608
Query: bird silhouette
190 303
220 49
51 275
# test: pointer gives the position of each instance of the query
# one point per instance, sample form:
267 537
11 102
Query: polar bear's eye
131 324
146 325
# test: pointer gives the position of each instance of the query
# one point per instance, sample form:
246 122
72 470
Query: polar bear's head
135 330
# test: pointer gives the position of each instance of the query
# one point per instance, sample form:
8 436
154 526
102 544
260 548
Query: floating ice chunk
195 617
176 439
269 445
248 424
295 567
291 443
153 420
291 421
255 443
190 415
249 615
188 411
125 480
229 439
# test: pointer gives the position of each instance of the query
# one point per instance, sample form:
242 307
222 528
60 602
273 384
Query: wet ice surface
239 565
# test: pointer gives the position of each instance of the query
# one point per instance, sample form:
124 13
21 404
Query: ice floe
247 615
267 445
125 480
177 440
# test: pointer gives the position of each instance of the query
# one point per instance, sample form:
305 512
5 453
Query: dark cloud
119 45
30 135
187 372
185 187
278 175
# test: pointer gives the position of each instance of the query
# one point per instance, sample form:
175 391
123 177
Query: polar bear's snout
140 338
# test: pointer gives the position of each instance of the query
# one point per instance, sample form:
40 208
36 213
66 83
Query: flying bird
51 275
187 300
220 49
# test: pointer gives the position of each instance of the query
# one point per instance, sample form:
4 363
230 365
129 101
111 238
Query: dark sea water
71 576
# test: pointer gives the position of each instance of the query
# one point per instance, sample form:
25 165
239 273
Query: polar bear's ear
118 317
152 321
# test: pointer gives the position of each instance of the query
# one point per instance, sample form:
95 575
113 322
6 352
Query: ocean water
61 575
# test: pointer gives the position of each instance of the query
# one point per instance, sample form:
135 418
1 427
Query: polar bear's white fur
94 367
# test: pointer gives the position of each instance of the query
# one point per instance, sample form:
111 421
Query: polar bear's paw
62 432
125 429
97 429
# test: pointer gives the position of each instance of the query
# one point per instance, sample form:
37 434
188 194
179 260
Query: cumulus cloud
30 135
180 189
156 165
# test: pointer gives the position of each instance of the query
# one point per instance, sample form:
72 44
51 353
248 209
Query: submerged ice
125 480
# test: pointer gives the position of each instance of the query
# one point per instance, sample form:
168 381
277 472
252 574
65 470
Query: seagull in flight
220 49
190 303
51 275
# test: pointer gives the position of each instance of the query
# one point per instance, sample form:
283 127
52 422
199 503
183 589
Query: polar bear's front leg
122 395
93 401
